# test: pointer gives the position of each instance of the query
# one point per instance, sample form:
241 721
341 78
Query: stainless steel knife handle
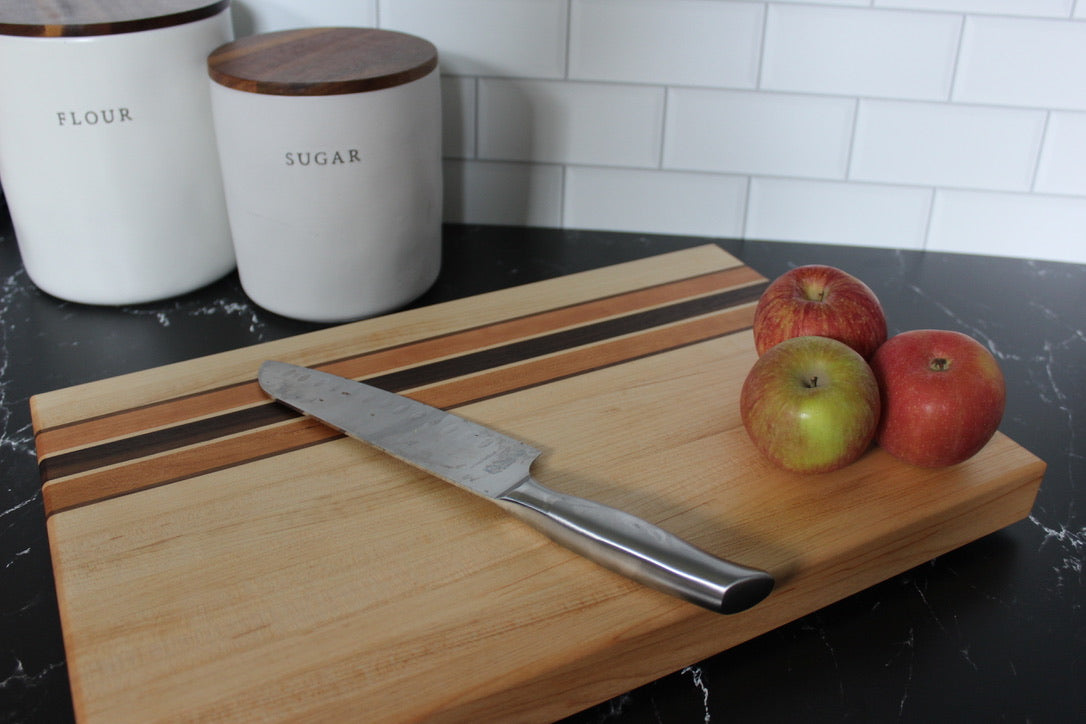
638 549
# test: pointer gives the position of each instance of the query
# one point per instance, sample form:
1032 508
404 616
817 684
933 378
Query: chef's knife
497 467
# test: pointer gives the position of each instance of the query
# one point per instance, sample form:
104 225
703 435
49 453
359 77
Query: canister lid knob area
63 18
322 61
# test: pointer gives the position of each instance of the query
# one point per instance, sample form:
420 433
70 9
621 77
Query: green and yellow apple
810 404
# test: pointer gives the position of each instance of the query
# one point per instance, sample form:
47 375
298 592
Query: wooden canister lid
321 61
64 18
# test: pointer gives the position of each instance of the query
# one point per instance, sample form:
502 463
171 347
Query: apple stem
940 364
812 383
814 294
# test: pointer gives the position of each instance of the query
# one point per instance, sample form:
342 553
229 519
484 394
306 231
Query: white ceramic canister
330 144
107 151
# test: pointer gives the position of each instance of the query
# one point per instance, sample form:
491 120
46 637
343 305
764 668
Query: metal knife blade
497 467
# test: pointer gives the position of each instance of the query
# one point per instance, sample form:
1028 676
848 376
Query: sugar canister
330 143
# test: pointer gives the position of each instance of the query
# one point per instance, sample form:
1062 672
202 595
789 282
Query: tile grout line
762 48
477 106
852 140
660 152
930 221
1036 172
956 65
744 222
569 37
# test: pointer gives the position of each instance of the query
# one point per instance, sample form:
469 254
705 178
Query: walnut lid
64 18
321 61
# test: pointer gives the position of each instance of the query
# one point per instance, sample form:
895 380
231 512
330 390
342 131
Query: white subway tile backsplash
563 122
838 213
458 117
518 194
1020 225
1035 8
1062 169
935 144
943 124
262 16
860 52
520 38
757 133
654 201
1022 62
683 42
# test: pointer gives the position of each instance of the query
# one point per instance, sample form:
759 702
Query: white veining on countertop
824 639
979 334
16 507
927 604
18 554
1048 376
16 437
20 677
21 438
1045 374
616 707
695 674
1072 545
964 651
909 645
226 307
1052 393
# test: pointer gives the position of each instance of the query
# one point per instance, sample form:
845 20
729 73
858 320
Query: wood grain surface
220 559
321 61
64 18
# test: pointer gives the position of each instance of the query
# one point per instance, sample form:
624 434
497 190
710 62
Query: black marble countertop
993 631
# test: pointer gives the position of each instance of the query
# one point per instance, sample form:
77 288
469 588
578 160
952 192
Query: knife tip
270 371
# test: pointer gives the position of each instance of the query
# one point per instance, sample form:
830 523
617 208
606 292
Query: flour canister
107 151
330 143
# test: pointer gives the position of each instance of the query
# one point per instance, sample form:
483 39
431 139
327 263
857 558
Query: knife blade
498 467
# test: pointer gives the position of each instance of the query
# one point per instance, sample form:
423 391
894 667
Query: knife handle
638 549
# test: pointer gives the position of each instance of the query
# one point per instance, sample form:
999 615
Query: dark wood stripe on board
231 423
86 432
235 436
141 473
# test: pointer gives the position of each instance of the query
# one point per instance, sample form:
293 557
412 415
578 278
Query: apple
823 301
942 396
810 404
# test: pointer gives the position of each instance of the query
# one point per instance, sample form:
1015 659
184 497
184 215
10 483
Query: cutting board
219 558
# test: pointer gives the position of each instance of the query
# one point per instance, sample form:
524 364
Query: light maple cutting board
219 558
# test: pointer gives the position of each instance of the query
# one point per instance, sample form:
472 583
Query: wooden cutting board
219 558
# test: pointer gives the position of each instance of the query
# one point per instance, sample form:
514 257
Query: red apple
942 396
810 404
823 301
